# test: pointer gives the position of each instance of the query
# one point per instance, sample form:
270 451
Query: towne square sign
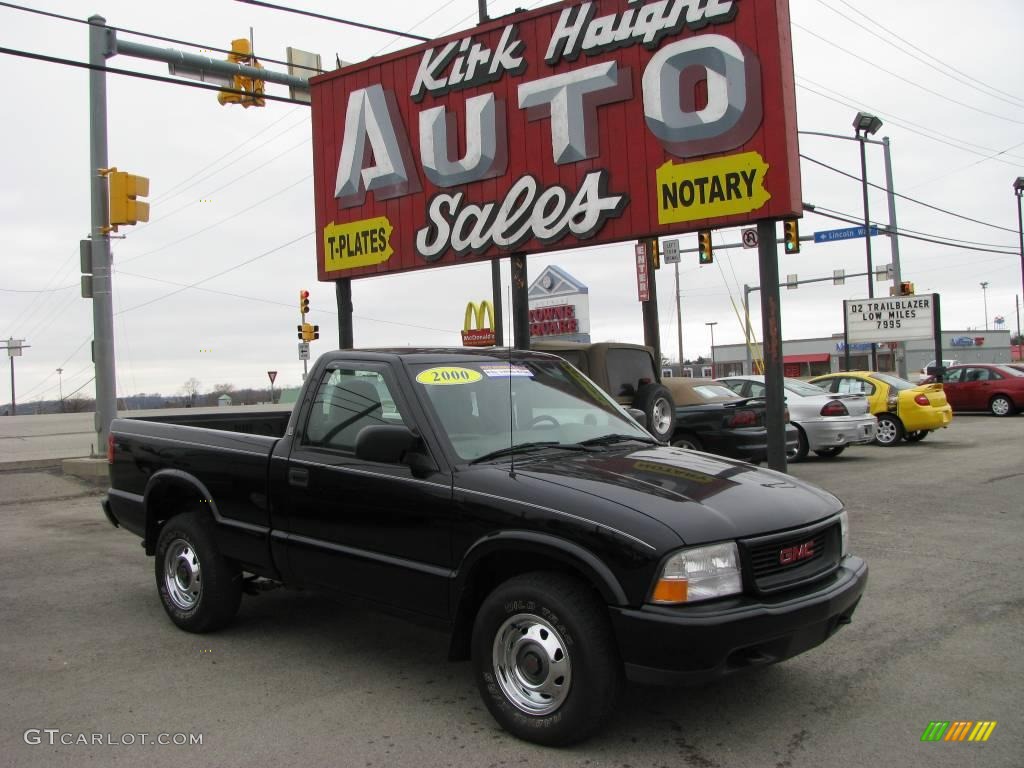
580 123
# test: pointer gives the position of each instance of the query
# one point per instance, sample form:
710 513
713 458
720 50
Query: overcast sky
229 185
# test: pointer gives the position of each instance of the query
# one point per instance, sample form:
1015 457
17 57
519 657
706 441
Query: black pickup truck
504 498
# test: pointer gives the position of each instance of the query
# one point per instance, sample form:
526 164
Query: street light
712 327
984 298
60 387
864 125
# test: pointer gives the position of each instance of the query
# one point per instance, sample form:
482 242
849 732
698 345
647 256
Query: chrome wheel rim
661 416
886 431
1000 407
183 577
531 664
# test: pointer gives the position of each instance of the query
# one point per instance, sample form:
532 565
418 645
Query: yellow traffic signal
651 244
791 235
299 328
125 188
304 303
241 53
306 332
704 248
315 334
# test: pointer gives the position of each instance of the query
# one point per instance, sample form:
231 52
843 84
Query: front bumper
835 432
692 644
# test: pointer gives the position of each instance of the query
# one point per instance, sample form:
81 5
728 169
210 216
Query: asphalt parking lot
300 680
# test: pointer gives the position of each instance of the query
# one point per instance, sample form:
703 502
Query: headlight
844 531
700 573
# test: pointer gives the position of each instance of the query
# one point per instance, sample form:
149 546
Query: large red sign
576 124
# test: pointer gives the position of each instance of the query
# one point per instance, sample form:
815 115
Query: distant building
559 307
224 400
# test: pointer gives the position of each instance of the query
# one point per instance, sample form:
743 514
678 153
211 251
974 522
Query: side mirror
386 444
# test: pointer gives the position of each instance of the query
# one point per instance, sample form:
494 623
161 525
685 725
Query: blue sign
850 233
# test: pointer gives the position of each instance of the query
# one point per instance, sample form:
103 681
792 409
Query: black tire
830 453
802 446
688 441
1001 405
917 436
659 410
551 627
890 430
199 588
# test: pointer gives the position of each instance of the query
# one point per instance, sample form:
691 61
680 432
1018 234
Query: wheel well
492 570
165 500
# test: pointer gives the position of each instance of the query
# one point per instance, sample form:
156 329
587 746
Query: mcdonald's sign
478 325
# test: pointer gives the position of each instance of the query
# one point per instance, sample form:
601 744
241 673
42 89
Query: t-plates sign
750 238
574 124
895 318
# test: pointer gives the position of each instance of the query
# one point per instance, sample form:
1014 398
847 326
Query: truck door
364 528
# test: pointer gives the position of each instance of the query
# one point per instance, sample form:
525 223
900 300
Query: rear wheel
659 410
917 436
830 453
890 430
1001 406
802 445
544 658
199 588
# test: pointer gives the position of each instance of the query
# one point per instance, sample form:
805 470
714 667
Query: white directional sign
671 251
893 318
303 350
838 276
791 282
749 238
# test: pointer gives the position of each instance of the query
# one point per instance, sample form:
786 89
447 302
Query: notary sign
893 318
575 124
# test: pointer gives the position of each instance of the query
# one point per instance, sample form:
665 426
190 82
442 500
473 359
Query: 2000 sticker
448 375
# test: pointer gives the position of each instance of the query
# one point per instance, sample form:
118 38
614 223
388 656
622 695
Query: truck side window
346 401
627 368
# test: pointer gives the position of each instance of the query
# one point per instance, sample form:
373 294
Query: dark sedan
979 387
711 417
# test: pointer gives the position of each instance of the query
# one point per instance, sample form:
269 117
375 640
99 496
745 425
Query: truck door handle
298 477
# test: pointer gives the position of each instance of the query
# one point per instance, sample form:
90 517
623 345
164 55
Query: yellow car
904 410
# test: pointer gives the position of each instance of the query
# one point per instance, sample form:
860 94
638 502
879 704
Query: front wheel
890 430
544 658
1001 406
199 588
802 446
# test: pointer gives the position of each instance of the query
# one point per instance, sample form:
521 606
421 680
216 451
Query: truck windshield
551 402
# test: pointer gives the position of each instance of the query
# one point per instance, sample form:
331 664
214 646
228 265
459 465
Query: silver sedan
826 422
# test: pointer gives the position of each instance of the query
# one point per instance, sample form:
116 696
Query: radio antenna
511 416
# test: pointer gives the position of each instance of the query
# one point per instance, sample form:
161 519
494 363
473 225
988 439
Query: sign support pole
771 333
940 369
652 331
679 319
343 294
520 302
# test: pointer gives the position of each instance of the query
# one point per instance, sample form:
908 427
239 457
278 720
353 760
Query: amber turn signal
670 591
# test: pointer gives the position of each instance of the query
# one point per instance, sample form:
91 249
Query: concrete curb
92 470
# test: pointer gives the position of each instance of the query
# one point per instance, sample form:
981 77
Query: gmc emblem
797 553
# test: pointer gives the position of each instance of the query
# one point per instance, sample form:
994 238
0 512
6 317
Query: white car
827 423
923 373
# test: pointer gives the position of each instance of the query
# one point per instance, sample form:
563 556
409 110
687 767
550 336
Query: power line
347 22
944 97
907 197
921 50
960 77
142 75
200 46
963 146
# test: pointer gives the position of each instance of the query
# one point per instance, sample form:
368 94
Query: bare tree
190 389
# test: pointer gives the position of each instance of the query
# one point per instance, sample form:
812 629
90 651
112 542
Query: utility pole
712 325
679 319
894 246
14 347
60 387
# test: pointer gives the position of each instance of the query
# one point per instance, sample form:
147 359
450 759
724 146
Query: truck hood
701 497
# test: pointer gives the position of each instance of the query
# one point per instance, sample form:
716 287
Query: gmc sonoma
504 498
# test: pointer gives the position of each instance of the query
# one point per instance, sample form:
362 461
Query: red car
979 387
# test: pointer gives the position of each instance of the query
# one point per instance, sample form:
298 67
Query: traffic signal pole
101 45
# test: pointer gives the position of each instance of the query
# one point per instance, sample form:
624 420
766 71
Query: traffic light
299 327
315 334
304 303
651 245
125 189
906 288
241 53
704 248
791 235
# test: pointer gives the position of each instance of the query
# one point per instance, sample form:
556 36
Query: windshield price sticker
500 371
448 375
